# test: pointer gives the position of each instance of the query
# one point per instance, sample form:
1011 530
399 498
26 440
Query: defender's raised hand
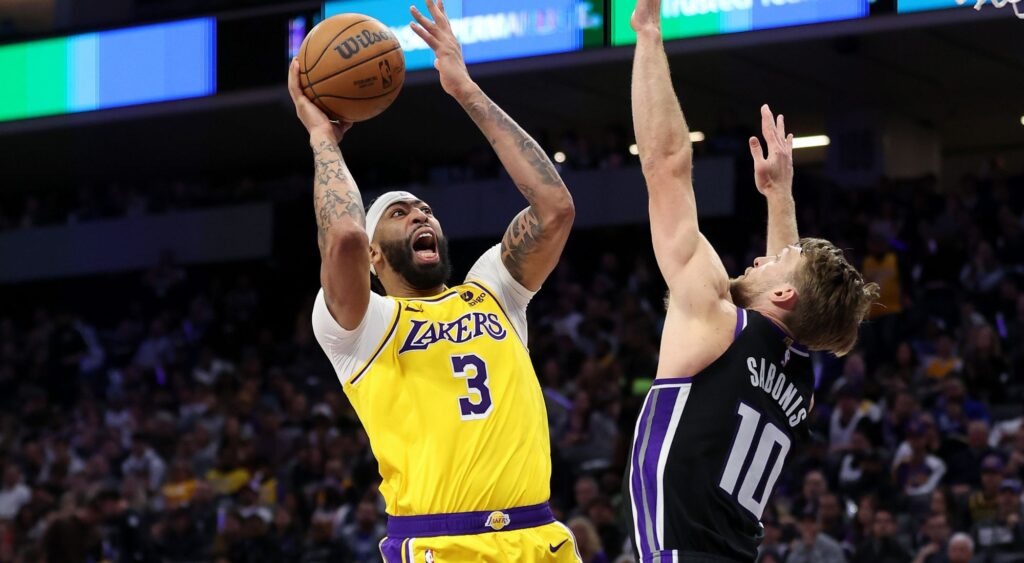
439 36
646 16
773 175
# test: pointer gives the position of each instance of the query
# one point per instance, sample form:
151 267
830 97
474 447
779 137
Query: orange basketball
352 67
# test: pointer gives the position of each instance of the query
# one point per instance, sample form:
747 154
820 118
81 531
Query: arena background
163 398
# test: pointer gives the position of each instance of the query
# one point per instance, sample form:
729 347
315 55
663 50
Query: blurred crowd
194 421
20 209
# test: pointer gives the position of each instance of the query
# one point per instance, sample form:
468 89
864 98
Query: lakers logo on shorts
497 520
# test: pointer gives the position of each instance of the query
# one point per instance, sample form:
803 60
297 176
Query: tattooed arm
534 240
340 219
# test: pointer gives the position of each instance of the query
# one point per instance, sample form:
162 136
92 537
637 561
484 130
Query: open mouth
424 247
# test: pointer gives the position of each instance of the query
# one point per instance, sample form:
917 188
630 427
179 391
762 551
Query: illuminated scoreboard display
491 30
108 69
905 6
693 18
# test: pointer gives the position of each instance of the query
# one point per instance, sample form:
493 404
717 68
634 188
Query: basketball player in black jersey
734 384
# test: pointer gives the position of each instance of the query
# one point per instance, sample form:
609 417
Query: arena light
559 157
1022 120
634 150
810 141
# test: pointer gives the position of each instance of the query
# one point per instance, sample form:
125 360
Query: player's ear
376 256
784 296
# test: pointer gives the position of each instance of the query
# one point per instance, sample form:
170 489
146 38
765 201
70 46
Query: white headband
377 209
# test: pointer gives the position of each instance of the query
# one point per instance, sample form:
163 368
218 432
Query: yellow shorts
546 543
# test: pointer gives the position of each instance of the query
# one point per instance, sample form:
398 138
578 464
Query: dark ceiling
962 77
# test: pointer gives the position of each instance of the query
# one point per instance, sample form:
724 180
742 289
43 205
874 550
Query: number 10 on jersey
771 438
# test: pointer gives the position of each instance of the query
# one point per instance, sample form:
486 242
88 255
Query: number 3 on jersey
771 439
478 403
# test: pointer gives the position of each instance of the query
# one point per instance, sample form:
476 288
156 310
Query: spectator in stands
364 535
986 371
983 504
935 541
881 545
15 493
964 464
145 463
587 540
961 548
814 546
944 361
1004 532
918 472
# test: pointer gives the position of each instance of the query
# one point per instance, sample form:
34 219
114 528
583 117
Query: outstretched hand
646 15
439 36
773 175
312 117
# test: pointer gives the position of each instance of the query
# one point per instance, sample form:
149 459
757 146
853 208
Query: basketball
352 67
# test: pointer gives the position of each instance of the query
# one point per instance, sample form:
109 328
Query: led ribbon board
491 30
108 69
905 6
692 18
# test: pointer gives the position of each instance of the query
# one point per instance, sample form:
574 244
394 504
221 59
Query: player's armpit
700 286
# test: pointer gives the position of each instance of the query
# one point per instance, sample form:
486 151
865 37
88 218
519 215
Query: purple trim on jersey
741 321
467 523
647 446
671 381
408 551
391 550
641 521
501 308
383 343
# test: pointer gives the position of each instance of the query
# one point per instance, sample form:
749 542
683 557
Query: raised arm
534 240
773 177
340 219
684 256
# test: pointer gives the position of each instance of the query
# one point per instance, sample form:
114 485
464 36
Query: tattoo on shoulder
520 240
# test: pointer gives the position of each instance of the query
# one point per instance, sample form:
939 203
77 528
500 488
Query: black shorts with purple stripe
708 449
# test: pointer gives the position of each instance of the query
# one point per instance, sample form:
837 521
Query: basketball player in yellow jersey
440 376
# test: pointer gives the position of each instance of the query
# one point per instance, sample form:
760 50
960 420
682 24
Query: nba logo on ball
497 520
385 73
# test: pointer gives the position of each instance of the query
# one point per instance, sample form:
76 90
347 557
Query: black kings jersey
708 449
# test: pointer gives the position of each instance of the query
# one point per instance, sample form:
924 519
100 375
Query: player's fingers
425 36
293 80
789 143
755 149
780 126
434 11
424 21
768 128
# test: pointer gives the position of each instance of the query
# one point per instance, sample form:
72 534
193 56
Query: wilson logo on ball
349 47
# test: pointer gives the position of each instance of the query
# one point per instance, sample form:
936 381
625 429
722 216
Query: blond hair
833 299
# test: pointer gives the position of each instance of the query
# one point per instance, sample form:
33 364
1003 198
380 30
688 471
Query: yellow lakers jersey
453 408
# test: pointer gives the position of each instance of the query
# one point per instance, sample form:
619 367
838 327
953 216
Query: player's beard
399 255
743 292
